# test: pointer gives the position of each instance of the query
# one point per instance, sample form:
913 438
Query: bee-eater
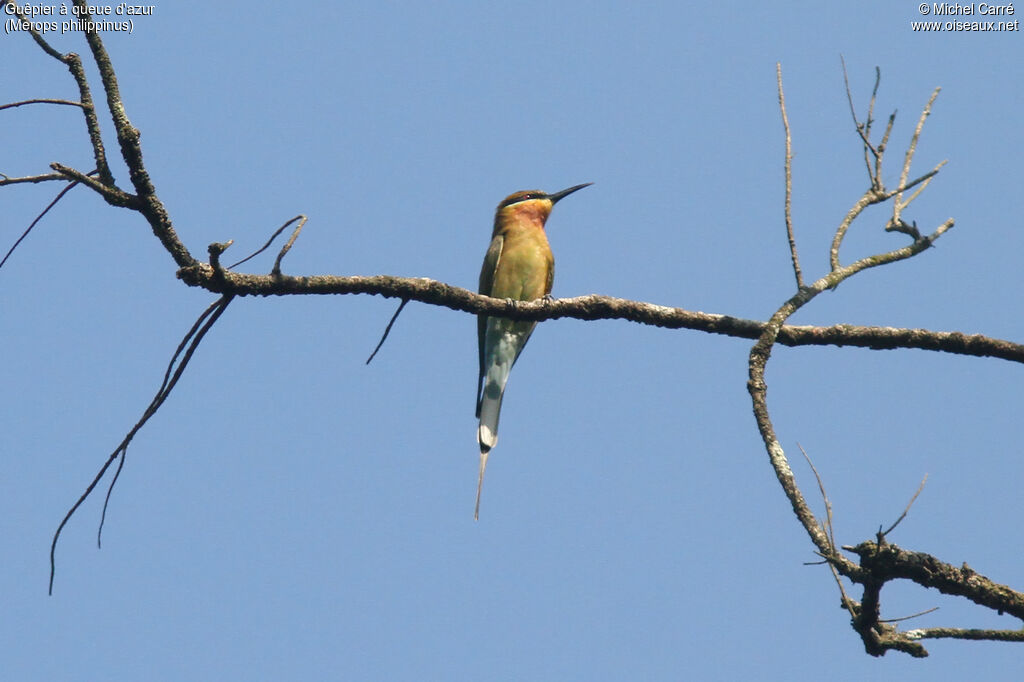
518 267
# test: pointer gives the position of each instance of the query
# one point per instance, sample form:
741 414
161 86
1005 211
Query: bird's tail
480 481
487 433
503 355
490 412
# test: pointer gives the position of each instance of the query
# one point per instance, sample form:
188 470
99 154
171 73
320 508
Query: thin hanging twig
188 344
387 330
39 217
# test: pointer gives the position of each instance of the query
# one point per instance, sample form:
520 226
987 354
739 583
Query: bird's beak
554 198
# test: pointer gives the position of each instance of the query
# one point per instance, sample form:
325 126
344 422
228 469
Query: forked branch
879 561
175 368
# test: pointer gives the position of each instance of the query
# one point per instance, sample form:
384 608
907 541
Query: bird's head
531 205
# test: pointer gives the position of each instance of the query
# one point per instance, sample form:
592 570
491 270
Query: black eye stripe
515 199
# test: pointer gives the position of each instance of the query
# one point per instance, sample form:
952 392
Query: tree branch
175 368
879 561
789 182
595 307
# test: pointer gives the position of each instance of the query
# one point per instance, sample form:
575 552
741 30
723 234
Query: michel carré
952 9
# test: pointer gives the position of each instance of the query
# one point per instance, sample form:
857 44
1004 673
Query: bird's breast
526 261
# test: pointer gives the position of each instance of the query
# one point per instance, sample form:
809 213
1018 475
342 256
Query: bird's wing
486 285
551 275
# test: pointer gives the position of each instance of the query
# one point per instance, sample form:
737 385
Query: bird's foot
510 304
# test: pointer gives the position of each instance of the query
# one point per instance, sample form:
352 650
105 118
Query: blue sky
293 514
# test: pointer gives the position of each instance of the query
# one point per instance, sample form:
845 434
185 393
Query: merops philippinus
518 267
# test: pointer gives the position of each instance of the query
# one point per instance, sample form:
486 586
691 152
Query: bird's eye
519 198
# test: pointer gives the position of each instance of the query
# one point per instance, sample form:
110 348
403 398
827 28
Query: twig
47 177
40 101
828 504
911 149
276 270
113 194
878 151
847 603
863 130
789 181
387 330
266 246
924 179
829 529
74 64
927 179
910 617
882 147
877 193
905 510
39 217
192 340
46 47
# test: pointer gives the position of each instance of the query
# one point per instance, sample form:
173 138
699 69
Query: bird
519 266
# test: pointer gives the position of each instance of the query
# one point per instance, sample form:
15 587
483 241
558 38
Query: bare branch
923 180
911 616
594 307
877 635
876 193
112 194
871 120
895 563
844 225
22 103
46 47
387 330
972 634
761 351
215 250
34 179
891 528
174 371
270 241
829 529
827 526
789 181
74 65
39 217
127 135
92 123
911 149
863 130
276 270
882 146
927 178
